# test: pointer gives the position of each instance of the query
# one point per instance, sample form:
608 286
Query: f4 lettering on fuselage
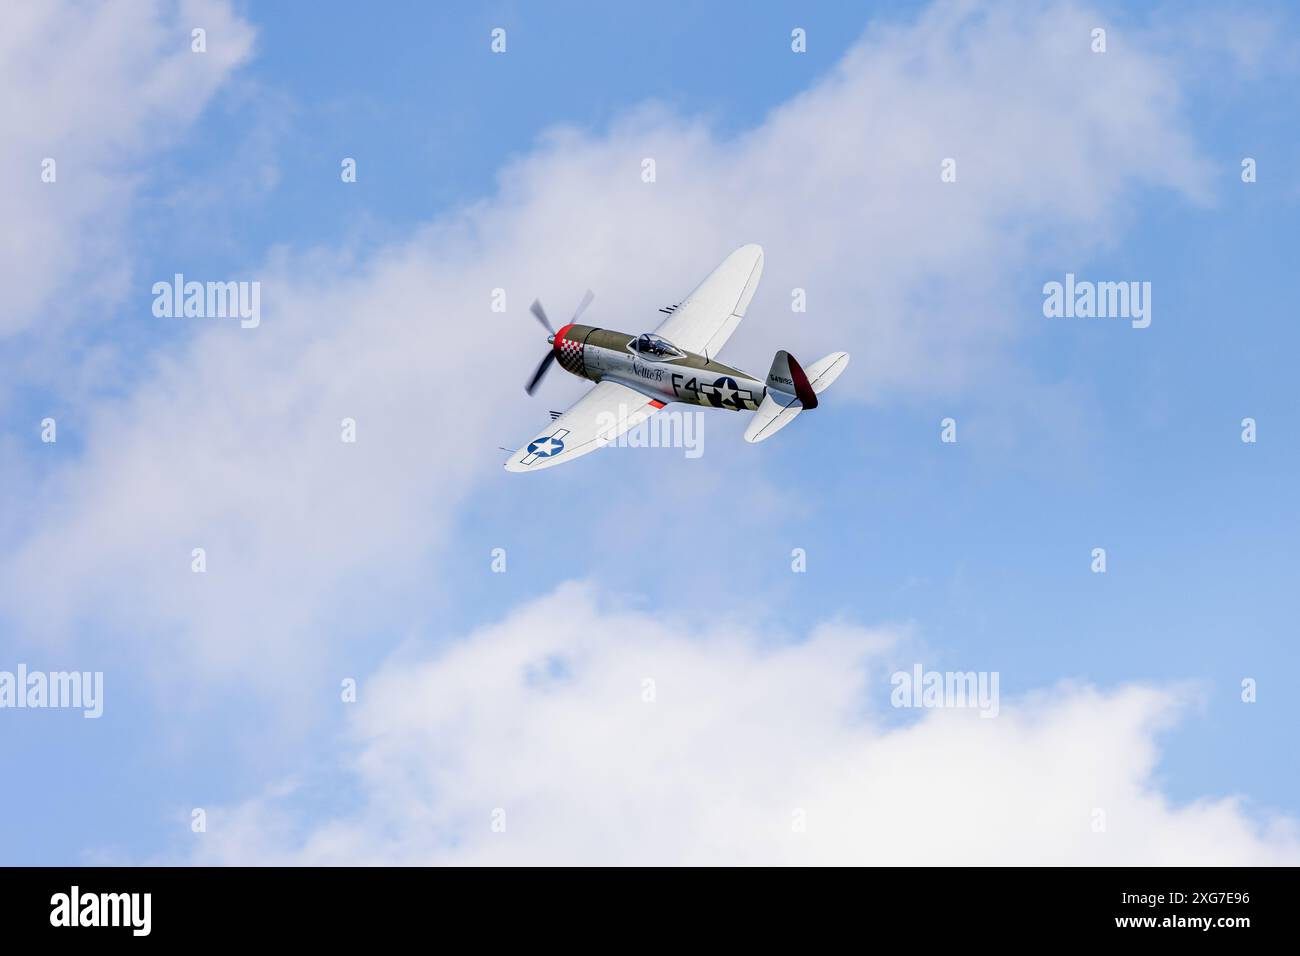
655 368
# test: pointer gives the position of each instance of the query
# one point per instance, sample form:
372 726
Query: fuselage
655 368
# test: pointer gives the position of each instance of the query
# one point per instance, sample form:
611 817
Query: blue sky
1073 434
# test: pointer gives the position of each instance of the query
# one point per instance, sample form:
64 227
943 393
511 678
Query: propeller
539 313
541 370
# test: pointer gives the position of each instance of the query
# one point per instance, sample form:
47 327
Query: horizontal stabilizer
776 411
826 370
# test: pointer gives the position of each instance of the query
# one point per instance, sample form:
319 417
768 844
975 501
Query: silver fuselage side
604 354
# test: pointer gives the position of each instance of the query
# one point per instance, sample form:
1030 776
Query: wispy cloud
100 91
232 443
571 733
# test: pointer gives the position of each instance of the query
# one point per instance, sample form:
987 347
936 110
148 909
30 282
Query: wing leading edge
595 420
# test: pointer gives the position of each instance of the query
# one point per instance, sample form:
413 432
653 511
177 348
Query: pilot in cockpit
652 346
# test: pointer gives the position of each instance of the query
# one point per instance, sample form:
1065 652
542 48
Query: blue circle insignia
545 447
725 393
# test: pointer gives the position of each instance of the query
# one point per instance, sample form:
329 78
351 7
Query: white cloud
101 89
232 443
542 715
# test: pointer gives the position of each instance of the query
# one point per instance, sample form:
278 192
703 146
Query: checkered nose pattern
569 352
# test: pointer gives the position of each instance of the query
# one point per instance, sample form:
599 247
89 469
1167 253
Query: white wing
707 317
595 420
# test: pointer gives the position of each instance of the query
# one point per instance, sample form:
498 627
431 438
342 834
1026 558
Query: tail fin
788 387
788 377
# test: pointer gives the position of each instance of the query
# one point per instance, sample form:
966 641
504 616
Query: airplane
636 375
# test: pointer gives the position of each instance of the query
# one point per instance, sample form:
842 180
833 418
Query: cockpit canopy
655 348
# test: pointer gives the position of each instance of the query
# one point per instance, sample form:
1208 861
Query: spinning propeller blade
540 313
541 370
582 307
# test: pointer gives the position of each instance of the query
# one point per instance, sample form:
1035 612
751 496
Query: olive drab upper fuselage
655 367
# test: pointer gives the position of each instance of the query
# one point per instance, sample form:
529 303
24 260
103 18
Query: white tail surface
780 405
826 370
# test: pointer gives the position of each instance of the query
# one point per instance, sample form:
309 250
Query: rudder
788 377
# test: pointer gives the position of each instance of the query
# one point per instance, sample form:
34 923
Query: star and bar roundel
546 447
726 393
